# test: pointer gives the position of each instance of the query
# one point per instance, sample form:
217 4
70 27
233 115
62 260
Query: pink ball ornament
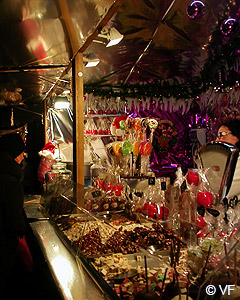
196 10
229 26
205 199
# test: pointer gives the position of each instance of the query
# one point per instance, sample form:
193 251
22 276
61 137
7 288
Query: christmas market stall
134 176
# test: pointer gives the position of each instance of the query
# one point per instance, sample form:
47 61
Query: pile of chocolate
127 242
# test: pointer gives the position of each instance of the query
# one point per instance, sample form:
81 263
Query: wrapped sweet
183 208
118 126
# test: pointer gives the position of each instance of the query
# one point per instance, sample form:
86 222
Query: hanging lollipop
152 124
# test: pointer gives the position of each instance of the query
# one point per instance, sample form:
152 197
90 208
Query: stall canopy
163 40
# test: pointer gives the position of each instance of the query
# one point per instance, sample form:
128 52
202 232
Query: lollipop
117 148
137 124
122 125
126 148
147 148
153 124
135 148
144 122
141 146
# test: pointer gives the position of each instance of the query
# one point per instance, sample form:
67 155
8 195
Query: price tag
96 194
163 185
151 180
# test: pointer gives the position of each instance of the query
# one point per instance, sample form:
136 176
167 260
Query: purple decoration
164 162
229 26
196 9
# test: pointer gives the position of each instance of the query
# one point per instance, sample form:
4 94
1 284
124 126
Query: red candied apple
100 184
91 112
108 187
152 210
100 112
192 177
205 199
100 132
162 212
149 209
144 209
94 131
200 222
118 190
108 112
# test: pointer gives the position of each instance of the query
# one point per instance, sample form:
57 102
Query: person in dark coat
12 223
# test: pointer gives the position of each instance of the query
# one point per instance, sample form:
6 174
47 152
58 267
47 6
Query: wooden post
76 63
78 123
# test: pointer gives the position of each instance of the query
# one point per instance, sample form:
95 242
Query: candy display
136 141
124 240
144 236
156 249
97 126
95 106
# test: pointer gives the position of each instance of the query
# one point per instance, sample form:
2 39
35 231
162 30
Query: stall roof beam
110 13
30 68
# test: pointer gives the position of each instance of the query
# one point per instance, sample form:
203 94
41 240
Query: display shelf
99 135
80 280
102 116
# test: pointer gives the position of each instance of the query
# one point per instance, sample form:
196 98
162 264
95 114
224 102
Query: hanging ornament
229 26
196 9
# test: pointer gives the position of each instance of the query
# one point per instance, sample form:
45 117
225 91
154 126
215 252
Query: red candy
118 190
205 199
163 213
192 178
200 222
141 148
153 210
147 148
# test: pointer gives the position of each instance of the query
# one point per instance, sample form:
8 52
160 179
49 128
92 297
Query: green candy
122 125
126 148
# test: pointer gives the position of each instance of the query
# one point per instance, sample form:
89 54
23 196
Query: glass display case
113 244
127 251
